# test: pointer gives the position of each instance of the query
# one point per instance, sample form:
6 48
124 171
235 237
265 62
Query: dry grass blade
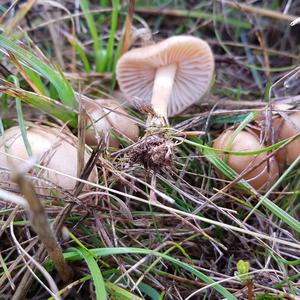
11 197
40 224
19 17
23 73
54 289
259 11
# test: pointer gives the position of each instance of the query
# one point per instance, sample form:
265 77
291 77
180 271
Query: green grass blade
149 291
199 14
36 79
6 271
62 86
45 104
84 4
1 127
74 255
104 3
21 120
203 147
82 55
110 45
95 272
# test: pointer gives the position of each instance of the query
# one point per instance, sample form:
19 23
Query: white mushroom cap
52 148
194 61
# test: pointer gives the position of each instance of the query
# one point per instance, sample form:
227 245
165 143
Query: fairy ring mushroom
168 76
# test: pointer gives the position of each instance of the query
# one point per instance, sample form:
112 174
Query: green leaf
243 270
149 291
95 272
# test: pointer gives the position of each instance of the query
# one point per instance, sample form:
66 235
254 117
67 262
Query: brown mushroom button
169 76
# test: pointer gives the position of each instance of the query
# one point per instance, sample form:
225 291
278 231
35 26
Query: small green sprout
242 271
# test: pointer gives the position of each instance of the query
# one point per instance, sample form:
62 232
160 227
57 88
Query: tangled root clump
153 151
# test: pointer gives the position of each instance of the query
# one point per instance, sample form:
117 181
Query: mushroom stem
162 89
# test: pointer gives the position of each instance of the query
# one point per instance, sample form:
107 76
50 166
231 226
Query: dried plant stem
250 289
238 6
82 123
127 35
41 226
260 11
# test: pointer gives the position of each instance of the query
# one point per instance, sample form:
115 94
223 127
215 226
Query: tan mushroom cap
263 176
286 129
136 71
107 116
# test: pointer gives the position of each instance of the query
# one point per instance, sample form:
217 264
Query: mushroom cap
136 71
286 129
105 120
52 148
262 176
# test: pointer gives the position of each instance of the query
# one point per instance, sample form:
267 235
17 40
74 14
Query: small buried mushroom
263 176
51 148
286 128
168 76
108 116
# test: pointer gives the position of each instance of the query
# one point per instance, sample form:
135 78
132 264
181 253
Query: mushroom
106 115
50 147
168 76
263 176
286 128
